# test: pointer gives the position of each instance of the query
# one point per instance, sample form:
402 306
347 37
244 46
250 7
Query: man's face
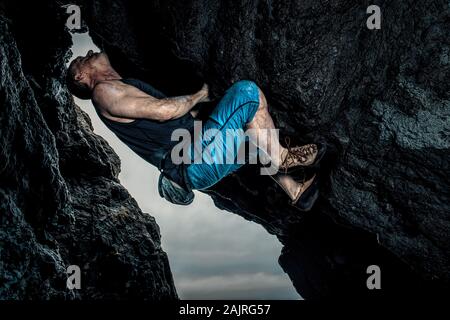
85 66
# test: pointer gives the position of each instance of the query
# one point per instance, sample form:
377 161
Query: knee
262 100
250 90
246 85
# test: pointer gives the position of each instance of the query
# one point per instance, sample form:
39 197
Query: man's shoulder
109 86
107 90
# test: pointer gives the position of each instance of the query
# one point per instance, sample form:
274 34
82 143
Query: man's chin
101 56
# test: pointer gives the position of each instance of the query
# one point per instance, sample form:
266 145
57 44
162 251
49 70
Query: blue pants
234 111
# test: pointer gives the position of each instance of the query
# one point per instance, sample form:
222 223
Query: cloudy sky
213 254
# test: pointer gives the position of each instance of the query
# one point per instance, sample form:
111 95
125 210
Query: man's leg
233 112
262 122
243 105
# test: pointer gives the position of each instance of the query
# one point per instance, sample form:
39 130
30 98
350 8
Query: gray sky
213 254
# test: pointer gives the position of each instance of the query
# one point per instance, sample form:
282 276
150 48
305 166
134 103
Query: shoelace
293 153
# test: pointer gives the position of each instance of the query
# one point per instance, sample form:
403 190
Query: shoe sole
311 199
312 202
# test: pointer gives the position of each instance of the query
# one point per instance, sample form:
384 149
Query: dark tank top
151 139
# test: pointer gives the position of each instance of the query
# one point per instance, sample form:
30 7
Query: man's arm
125 101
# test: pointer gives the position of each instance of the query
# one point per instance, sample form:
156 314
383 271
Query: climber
144 118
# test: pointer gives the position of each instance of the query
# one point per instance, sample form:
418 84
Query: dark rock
379 98
61 202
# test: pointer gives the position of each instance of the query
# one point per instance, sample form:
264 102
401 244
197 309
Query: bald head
85 71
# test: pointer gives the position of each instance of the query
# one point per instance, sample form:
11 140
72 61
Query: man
144 119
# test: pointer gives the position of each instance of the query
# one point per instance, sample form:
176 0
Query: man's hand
204 93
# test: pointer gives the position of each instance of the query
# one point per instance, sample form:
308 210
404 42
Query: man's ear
79 76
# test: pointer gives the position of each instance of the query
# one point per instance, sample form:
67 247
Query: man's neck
105 76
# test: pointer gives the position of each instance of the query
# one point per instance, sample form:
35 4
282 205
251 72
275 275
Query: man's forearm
156 109
183 104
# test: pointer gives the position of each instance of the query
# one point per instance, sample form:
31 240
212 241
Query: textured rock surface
379 98
61 203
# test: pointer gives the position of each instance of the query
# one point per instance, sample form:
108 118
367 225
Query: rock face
61 202
379 98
